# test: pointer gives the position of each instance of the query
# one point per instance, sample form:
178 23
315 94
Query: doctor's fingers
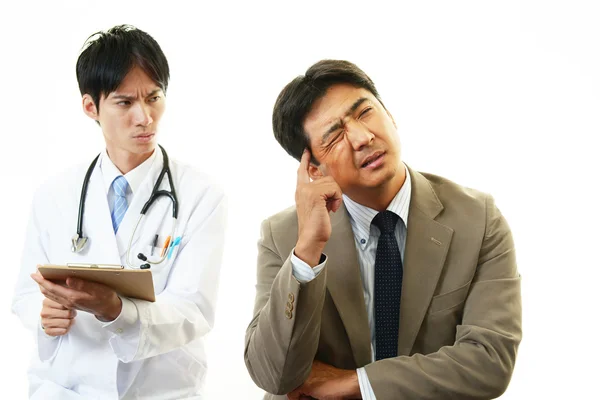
53 304
64 302
61 323
57 327
50 313
65 296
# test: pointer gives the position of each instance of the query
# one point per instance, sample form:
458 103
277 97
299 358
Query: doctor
90 342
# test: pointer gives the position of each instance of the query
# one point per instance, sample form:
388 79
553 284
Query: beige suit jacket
460 311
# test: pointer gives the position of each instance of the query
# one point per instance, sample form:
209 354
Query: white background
500 96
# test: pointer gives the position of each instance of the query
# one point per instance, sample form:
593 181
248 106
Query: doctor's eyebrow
338 124
126 97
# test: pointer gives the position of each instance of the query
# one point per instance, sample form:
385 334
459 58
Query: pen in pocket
173 245
165 246
153 245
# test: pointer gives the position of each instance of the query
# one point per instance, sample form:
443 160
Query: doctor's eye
154 99
124 103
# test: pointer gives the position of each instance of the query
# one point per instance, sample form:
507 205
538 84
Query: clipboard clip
95 266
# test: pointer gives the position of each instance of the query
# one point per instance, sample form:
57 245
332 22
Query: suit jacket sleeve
480 363
281 345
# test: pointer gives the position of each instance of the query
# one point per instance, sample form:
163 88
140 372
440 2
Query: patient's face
354 138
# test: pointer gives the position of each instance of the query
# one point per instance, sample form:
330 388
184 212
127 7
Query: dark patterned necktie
388 286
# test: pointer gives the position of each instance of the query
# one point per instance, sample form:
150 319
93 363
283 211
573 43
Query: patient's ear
316 172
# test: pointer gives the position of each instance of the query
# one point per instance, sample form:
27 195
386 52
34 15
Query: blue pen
173 244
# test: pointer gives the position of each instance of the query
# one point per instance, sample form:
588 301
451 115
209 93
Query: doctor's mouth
145 137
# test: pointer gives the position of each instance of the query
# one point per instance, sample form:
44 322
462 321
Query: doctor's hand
326 382
56 319
92 297
314 201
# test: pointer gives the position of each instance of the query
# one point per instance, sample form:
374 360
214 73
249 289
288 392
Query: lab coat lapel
132 215
97 223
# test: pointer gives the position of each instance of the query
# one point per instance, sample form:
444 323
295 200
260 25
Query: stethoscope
78 241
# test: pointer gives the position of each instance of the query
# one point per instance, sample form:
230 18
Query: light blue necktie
120 204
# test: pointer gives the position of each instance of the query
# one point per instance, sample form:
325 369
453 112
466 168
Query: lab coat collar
135 177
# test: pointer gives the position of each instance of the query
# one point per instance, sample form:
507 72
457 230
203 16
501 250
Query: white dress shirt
366 238
135 177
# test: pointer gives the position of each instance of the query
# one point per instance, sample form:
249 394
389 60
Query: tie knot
386 221
120 186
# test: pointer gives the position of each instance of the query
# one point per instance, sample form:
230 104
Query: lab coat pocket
153 252
161 271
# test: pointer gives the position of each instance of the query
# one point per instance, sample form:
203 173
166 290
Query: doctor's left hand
92 297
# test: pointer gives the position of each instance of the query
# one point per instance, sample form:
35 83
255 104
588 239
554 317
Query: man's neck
126 161
379 198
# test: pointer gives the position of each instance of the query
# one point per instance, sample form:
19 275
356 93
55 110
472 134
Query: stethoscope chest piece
78 243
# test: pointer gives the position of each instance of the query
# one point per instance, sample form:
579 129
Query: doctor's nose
142 115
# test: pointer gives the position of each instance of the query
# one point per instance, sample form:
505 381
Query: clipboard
136 283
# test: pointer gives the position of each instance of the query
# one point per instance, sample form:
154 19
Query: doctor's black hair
108 56
297 98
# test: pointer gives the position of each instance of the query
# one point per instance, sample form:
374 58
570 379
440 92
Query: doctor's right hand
56 318
314 201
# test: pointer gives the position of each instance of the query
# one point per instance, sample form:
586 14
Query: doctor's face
129 116
354 138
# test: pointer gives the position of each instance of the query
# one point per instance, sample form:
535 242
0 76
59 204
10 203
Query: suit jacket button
291 297
289 306
288 314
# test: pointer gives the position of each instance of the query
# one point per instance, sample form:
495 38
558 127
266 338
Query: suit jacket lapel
427 244
345 286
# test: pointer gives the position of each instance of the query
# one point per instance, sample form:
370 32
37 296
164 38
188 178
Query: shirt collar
135 177
361 216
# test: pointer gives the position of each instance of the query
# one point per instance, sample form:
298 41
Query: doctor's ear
89 107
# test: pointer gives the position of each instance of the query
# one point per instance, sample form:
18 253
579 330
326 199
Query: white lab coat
153 350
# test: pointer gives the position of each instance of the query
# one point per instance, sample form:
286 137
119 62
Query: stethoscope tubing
84 188
172 195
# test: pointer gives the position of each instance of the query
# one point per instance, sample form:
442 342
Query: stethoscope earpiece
143 258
